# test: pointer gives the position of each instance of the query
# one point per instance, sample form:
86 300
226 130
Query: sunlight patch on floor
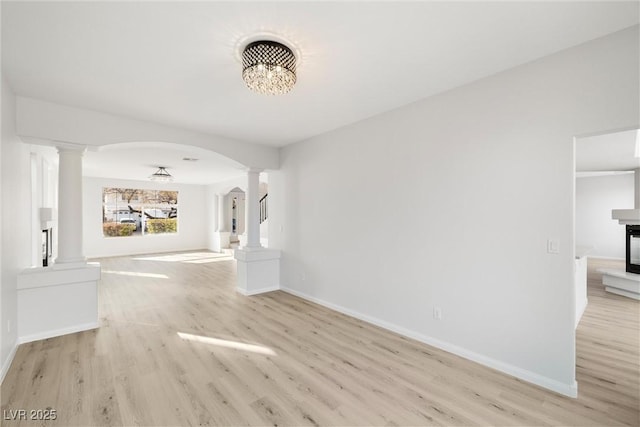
190 257
228 344
208 260
136 274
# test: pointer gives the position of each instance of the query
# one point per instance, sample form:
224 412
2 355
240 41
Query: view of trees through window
138 212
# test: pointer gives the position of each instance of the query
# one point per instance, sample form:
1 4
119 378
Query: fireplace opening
633 249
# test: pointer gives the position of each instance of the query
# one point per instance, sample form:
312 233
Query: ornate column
70 249
62 299
258 268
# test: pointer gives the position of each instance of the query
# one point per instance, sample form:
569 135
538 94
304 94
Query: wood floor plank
179 346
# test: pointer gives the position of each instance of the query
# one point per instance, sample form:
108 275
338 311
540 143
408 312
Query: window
137 212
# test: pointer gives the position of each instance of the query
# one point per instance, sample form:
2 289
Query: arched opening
127 167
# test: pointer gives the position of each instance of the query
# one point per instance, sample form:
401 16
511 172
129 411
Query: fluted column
252 206
70 250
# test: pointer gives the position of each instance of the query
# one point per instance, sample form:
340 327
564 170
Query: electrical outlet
8 326
437 313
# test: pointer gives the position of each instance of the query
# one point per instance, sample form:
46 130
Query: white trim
570 390
7 363
258 291
256 254
612 258
622 292
41 277
58 332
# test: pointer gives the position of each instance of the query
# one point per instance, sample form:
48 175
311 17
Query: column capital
68 147
254 170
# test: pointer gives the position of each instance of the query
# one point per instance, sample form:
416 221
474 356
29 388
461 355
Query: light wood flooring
276 359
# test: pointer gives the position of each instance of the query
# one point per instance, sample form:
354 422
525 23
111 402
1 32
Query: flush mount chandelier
268 67
161 175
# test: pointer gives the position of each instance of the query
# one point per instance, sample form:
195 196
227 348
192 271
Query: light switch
553 246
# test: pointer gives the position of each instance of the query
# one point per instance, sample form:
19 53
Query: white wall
595 198
4 359
192 221
16 223
4 106
449 202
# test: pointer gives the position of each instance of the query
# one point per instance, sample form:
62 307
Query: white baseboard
570 390
258 291
7 363
609 258
58 332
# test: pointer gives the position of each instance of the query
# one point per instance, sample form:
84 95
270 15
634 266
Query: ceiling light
161 175
268 67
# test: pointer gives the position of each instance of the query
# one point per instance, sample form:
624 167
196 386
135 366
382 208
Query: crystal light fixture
268 67
161 175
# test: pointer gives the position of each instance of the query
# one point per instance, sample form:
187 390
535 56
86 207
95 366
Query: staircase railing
263 208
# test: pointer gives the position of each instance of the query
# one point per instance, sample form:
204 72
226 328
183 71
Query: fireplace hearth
633 249
627 283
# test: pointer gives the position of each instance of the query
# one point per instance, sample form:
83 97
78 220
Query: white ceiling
175 62
608 152
138 160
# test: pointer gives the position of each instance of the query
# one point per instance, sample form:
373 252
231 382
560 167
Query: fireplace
633 249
